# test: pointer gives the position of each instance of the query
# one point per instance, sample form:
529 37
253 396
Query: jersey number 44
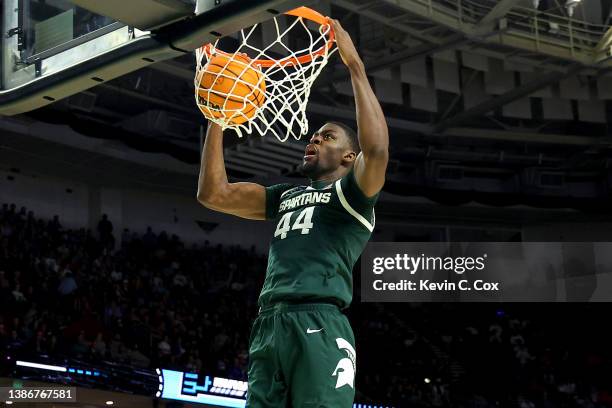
302 222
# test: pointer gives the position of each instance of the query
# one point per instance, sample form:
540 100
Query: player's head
334 145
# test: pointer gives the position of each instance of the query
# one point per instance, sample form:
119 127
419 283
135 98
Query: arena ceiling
488 98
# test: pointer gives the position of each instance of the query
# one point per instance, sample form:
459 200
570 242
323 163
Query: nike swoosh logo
310 331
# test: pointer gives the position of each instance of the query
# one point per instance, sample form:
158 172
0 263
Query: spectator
99 346
105 230
164 347
126 237
18 295
68 284
149 239
136 358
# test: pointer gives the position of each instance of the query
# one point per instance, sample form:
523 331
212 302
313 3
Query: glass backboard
51 49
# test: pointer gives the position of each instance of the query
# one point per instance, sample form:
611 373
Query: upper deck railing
519 27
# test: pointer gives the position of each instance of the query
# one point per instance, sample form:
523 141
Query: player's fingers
336 25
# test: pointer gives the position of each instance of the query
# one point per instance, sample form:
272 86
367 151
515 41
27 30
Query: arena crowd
149 300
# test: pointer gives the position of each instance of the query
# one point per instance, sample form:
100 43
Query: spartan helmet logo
345 370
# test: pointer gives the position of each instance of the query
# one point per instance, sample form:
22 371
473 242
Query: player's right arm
246 200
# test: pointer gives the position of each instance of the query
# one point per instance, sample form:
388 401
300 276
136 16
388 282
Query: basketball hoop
228 90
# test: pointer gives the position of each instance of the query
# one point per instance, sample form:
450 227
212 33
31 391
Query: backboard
52 49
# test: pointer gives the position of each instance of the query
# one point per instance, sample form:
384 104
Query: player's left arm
371 164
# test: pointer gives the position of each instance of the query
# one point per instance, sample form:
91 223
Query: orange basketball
230 89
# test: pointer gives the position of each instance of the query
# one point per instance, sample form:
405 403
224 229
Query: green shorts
301 355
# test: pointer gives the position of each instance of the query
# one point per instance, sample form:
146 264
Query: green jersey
320 232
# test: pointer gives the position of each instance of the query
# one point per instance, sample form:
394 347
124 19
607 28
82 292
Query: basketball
231 89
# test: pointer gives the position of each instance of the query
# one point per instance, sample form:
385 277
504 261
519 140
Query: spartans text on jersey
304 199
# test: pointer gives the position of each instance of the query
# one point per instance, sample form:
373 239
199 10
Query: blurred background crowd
149 300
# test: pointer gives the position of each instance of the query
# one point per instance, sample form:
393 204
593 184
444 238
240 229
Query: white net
287 79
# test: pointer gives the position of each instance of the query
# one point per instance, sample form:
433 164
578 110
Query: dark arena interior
118 286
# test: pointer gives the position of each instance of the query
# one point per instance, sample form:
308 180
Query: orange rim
303 12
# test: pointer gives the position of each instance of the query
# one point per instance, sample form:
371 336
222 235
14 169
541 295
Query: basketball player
302 348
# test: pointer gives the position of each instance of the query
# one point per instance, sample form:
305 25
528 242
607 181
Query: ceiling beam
504 99
240 168
249 166
349 113
422 50
279 159
275 149
603 50
530 137
173 107
174 69
256 159
500 10
515 57
389 21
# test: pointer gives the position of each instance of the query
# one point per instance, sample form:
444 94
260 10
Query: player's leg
267 386
320 359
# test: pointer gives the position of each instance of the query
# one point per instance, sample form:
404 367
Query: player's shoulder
348 189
